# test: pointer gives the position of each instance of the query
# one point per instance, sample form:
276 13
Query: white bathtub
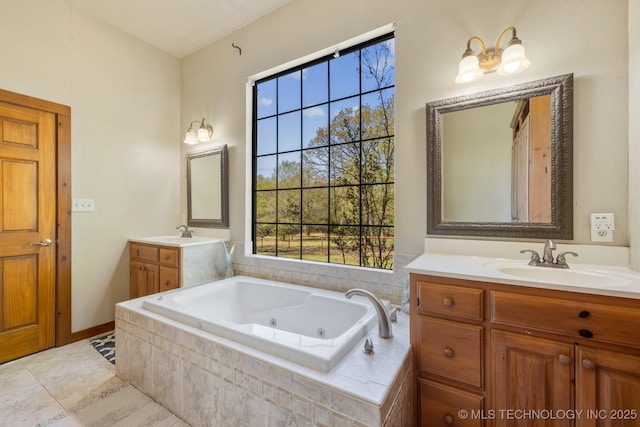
309 326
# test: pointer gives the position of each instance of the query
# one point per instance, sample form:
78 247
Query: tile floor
74 385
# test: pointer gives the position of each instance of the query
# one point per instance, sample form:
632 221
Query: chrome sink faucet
185 233
549 247
384 319
547 256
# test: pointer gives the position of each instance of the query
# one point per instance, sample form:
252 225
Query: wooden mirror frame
560 89
223 221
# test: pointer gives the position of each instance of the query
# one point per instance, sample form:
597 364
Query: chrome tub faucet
384 319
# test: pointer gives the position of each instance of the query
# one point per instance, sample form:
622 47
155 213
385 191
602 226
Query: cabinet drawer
450 300
599 322
145 253
451 350
169 256
168 278
440 406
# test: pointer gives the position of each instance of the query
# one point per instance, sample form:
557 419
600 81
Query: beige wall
587 38
125 108
476 164
128 115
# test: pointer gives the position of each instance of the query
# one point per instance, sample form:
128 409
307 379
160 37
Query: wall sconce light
198 134
511 60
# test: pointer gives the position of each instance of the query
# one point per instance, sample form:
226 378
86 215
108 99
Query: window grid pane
324 159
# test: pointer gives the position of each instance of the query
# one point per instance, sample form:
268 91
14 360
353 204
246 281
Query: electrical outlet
83 205
602 226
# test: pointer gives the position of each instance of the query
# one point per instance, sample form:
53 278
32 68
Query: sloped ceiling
178 27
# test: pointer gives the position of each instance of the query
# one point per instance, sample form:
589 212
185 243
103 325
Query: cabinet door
144 279
607 388
530 374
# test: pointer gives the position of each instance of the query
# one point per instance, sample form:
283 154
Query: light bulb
513 60
203 134
191 137
469 69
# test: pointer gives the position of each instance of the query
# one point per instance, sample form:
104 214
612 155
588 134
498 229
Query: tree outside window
324 159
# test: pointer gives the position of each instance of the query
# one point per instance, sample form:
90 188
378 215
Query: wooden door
539 179
27 224
607 388
531 374
520 174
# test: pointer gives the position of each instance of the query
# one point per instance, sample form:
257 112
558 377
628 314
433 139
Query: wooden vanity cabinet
494 348
610 382
448 339
531 373
153 269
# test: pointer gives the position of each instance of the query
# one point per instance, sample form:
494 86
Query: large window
323 159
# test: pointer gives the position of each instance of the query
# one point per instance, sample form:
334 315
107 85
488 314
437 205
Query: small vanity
496 338
161 263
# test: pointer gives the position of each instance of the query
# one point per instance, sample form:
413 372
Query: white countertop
175 240
598 279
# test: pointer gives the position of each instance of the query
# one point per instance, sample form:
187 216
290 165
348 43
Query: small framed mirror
208 188
500 163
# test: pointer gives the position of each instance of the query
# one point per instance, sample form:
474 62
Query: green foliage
359 203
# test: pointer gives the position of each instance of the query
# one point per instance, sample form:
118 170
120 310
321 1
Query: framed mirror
500 163
208 188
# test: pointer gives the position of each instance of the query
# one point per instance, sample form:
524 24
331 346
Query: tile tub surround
384 284
209 381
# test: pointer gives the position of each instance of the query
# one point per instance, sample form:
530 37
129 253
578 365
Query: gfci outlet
602 226
83 205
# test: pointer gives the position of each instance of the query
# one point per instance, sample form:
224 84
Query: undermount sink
581 276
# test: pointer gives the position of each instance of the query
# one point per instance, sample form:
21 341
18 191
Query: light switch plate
83 205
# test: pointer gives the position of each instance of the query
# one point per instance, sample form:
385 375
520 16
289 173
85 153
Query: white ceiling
179 27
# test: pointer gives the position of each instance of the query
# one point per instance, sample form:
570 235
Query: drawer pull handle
564 359
447 302
448 352
588 364
137 252
584 314
585 333
448 419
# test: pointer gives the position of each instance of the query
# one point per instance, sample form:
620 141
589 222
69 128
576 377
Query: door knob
45 242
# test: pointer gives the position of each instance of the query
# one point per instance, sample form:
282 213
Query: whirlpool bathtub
309 326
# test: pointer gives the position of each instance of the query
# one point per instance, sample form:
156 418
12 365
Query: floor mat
106 346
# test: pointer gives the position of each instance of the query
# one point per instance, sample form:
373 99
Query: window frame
329 186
